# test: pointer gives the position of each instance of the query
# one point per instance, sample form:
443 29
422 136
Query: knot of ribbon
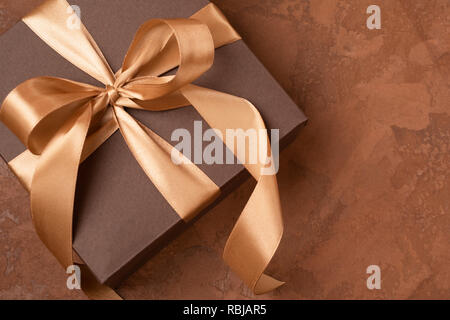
61 122
113 94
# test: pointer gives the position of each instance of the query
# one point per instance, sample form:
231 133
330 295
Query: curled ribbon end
266 284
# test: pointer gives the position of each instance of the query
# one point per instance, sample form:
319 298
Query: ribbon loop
195 55
38 107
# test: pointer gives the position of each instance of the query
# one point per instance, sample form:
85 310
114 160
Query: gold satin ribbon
61 122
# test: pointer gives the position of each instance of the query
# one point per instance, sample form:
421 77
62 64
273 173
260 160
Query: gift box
120 217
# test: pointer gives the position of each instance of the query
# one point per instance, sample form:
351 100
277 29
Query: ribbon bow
62 122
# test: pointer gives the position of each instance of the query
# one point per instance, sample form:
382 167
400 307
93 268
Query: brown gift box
121 219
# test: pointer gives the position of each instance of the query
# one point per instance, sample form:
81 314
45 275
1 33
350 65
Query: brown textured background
367 182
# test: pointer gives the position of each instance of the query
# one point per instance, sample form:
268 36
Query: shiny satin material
62 122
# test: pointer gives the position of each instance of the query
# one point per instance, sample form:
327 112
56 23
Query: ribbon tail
23 167
258 231
52 197
185 187
266 284
256 236
53 185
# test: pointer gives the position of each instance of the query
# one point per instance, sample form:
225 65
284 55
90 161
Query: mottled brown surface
367 182
11 11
